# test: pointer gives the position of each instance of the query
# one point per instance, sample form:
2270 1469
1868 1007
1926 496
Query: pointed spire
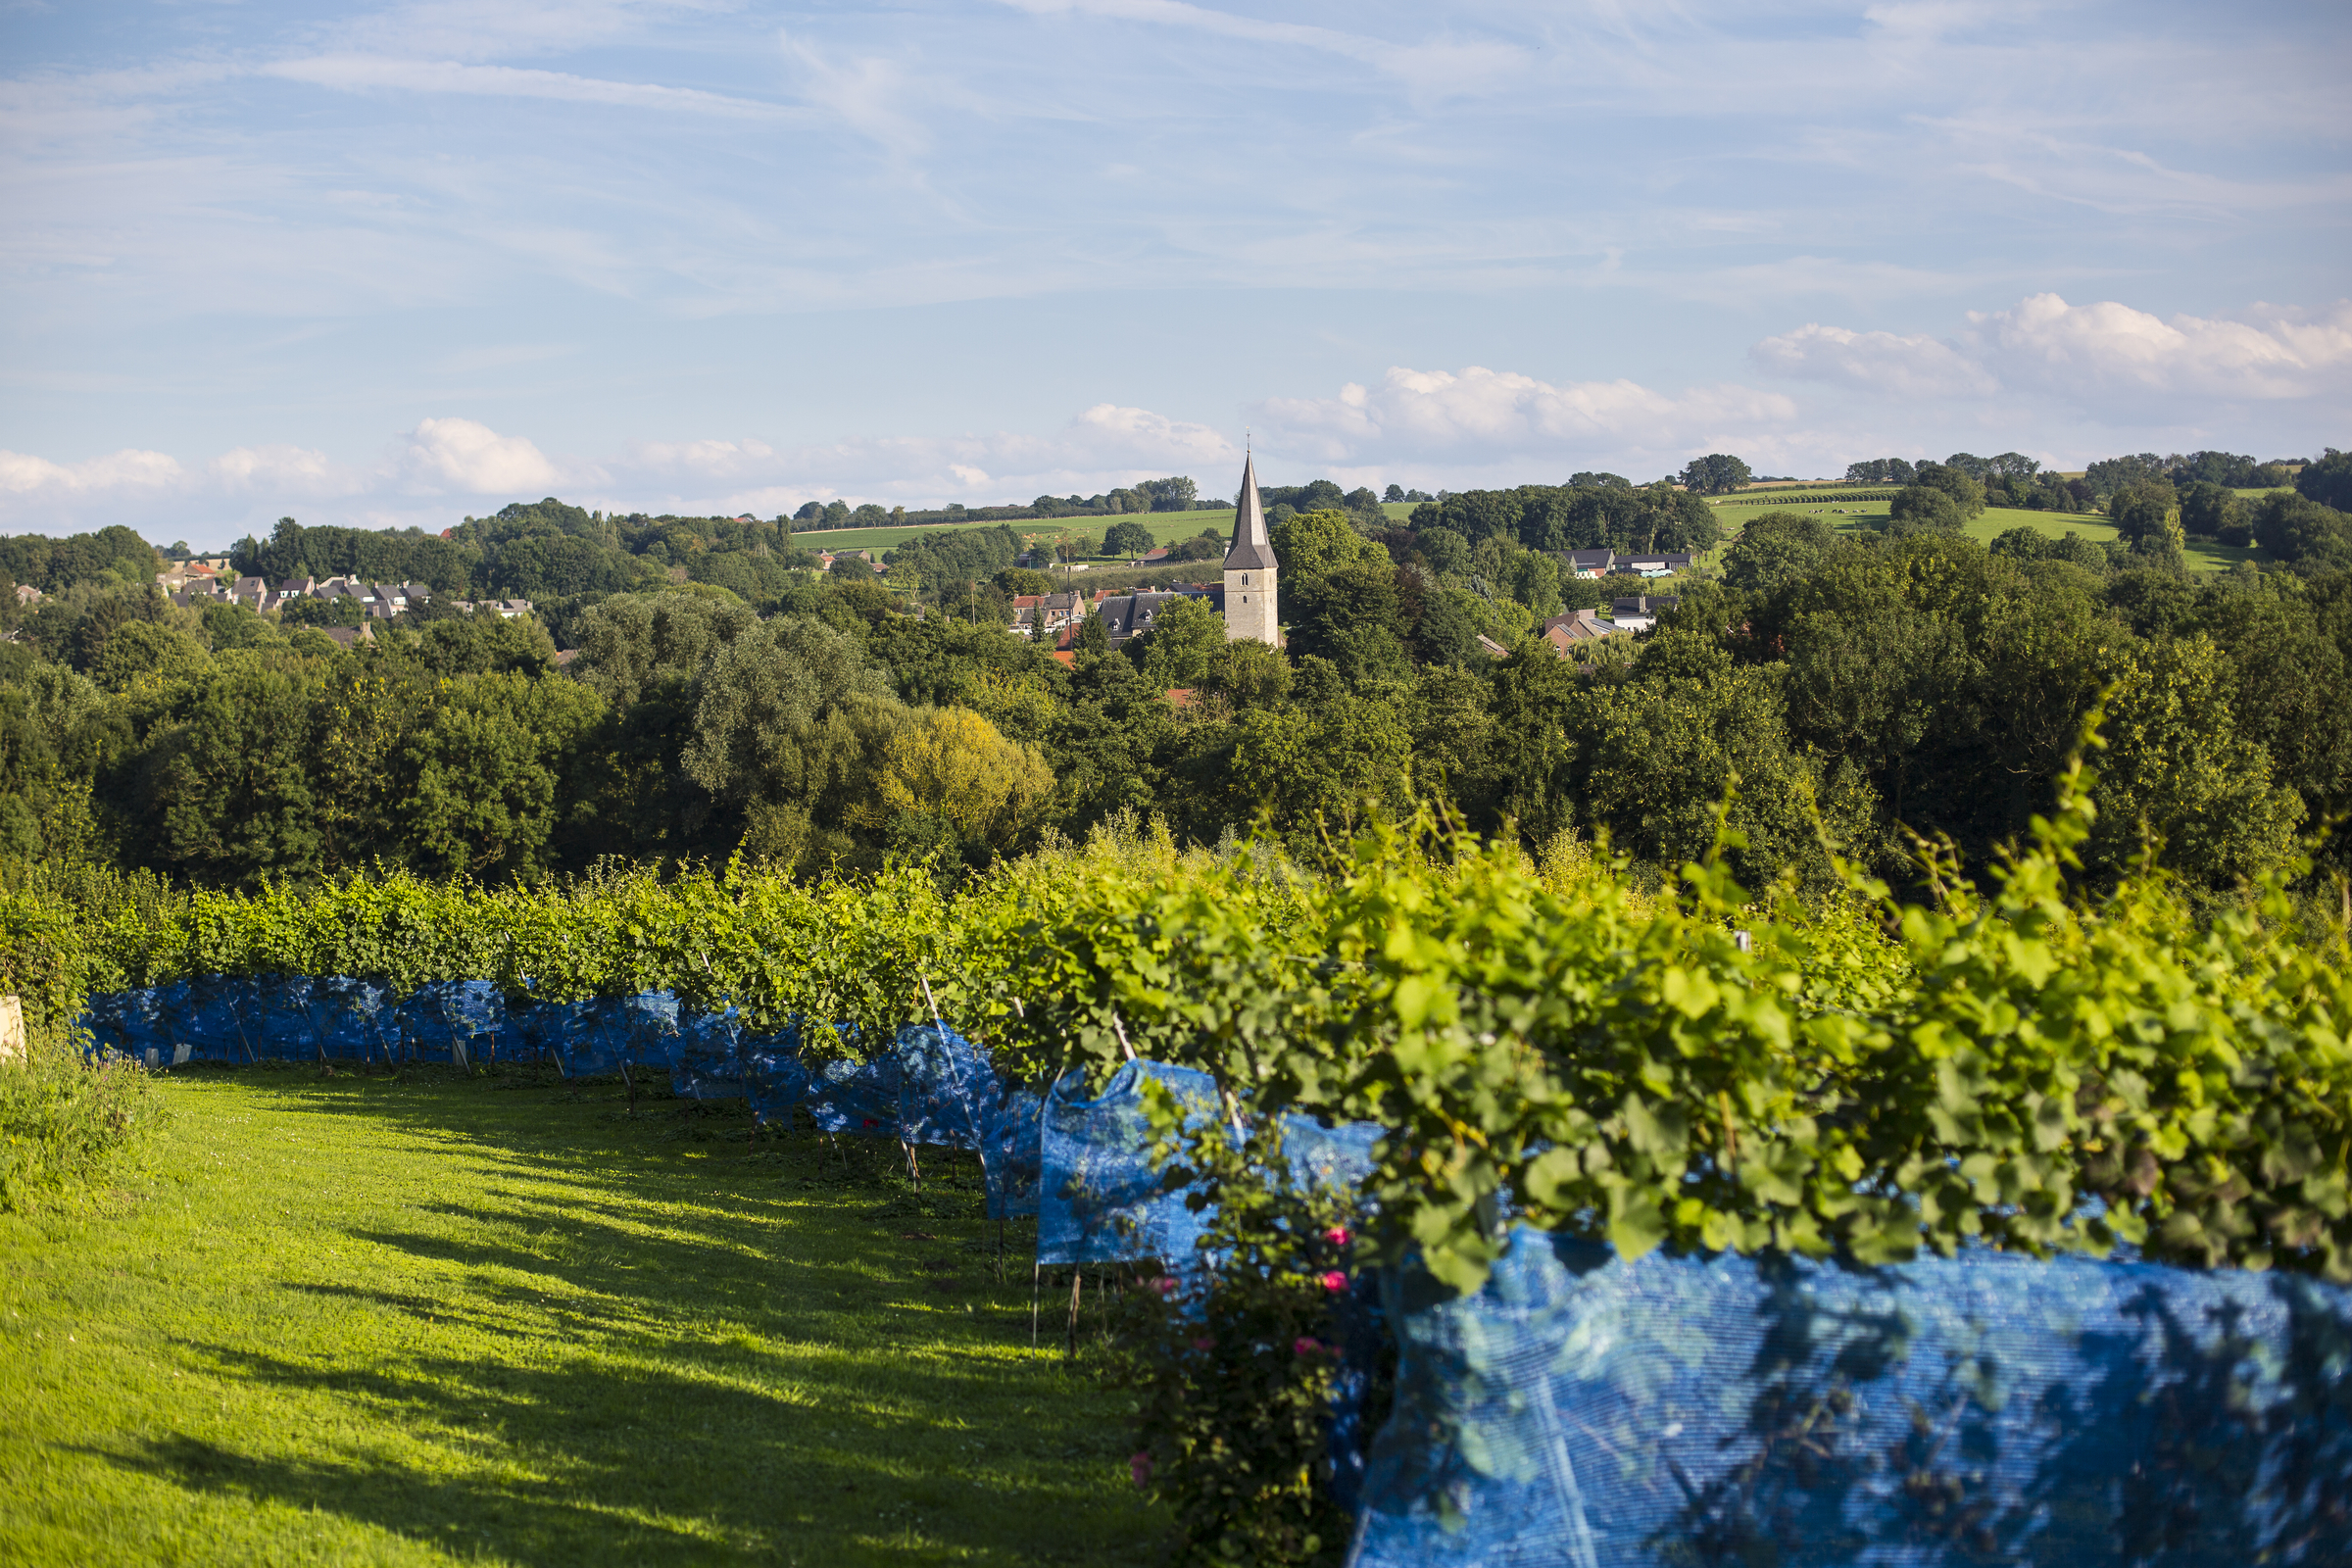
1251 550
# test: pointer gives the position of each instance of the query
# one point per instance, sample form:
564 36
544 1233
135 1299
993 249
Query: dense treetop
714 697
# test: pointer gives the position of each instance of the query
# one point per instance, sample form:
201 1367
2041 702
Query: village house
1595 564
1641 613
1565 632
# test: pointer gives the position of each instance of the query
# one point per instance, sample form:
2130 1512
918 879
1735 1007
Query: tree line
1885 682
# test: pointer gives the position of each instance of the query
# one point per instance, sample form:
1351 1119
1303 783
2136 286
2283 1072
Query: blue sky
396 264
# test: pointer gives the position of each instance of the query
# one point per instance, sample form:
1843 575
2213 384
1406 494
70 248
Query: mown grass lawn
500 1320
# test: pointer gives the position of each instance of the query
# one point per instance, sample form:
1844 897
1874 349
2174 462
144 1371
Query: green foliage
1234 1375
64 1117
1717 474
1776 549
114 555
1966 489
1925 509
1129 539
1632 1073
2296 528
2327 481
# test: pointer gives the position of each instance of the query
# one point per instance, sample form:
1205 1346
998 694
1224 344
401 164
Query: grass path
498 1320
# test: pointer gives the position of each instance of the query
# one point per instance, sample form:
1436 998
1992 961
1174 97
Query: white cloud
462 457
1437 415
2087 350
2104 358
1876 362
271 469
118 472
447 465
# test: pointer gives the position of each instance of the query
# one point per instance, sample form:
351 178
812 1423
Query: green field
1996 521
499 1320
1166 526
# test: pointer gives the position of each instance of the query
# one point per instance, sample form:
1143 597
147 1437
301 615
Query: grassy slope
1997 521
438 1320
1166 526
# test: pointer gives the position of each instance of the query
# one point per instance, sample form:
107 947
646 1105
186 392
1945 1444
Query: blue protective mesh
1583 1411
1102 1199
860 1097
457 1021
931 1086
211 1019
645 1027
706 1062
1009 1130
774 1077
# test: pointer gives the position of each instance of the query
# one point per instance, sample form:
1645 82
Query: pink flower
1337 1236
1335 1281
1306 1345
1165 1285
1139 1467
1205 1344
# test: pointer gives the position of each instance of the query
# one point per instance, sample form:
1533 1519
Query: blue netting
855 1097
280 1019
774 1077
352 1018
548 1031
333 1018
1014 1162
931 1087
1583 1411
645 1027
458 1022
125 1023
212 1010
1103 1200
706 1061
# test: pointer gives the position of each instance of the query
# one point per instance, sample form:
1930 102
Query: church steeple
1251 550
1251 612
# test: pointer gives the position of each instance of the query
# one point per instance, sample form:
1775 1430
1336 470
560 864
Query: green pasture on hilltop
501 1320
1166 526
1850 516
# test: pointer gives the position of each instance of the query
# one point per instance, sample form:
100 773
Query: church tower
1250 605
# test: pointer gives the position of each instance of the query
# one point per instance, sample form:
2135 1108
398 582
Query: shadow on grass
694 1359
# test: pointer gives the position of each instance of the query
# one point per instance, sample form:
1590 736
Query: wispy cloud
390 73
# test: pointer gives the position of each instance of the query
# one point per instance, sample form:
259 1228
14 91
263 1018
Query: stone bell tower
1249 605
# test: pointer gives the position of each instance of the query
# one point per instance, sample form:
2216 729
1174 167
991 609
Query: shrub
1235 1366
1924 508
65 1116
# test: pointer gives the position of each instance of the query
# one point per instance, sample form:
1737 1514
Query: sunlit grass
499 1320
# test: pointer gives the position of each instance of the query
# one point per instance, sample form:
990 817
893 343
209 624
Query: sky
395 265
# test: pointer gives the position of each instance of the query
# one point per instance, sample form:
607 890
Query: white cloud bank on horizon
2073 374
1453 418
449 465
1470 426
2099 355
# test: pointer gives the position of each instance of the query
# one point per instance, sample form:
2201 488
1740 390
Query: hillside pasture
1166 526
436 1319
1857 515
